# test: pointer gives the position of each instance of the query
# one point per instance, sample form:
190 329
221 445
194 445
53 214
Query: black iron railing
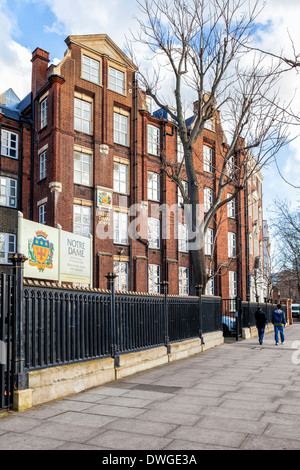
249 309
70 325
7 330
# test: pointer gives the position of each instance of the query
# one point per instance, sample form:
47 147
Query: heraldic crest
41 251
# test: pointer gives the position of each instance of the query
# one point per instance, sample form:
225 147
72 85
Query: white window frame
208 199
154 232
230 166
209 124
153 278
231 245
210 285
180 150
149 103
42 214
7 246
153 186
231 207
180 199
82 168
207 158
90 69
120 228
153 140
232 289
121 127
9 144
81 227
43 108
183 238
209 241
43 165
8 192
116 80
121 281
120 178
82 116
183 281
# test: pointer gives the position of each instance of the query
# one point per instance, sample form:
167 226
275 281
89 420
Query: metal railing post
113 336
18 349
199 290
164 291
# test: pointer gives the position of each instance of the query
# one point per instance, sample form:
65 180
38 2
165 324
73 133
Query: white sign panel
75 258
54 254
40 244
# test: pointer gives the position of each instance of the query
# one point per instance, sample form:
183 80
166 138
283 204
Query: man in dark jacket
279 321
261 321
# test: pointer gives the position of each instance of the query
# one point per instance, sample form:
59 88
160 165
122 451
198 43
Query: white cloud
91 17
15 62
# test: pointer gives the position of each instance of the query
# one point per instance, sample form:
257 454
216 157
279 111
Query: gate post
18 349
164 291
199 289
239 324
113 337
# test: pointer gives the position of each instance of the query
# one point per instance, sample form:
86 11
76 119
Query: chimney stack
40 61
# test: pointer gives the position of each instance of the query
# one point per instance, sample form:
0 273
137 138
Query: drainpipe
33 100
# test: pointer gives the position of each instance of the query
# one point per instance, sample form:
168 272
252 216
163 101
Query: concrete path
236 396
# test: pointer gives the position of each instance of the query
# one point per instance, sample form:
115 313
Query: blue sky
27 24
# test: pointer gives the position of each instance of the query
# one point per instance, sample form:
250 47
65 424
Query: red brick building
96 165
15 168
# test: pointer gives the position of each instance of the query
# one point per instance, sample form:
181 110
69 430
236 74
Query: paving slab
120 440
236 396
209 436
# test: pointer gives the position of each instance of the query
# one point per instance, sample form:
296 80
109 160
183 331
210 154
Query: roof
10 113
24 103
102 44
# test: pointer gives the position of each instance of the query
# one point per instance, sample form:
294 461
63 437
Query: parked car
295 310
229 325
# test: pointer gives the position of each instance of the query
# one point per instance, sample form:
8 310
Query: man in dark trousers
261 321
279 321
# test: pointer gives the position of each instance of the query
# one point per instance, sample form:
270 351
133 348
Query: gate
231 318
7 306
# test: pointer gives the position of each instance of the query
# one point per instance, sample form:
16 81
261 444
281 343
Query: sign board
54 254
104 198
75 258
39 243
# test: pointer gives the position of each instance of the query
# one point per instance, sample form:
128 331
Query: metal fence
249 308
70 325
237 314
7 295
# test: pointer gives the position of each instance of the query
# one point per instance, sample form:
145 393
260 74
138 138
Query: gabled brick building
97 162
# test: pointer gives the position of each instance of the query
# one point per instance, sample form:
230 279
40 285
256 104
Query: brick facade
56 138
15 168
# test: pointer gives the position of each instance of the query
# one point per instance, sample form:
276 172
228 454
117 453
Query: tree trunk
195 226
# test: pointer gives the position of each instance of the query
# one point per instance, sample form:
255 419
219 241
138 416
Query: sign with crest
54 254
41 251
104 198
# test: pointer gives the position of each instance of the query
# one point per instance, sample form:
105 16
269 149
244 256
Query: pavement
237 396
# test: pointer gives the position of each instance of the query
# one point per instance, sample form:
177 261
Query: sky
27 24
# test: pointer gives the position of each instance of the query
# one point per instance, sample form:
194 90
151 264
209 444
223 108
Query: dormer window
91 69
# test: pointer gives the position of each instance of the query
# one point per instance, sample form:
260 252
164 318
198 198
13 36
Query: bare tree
286 229
203 44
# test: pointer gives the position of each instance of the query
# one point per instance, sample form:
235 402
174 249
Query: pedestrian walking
279 321
261 321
